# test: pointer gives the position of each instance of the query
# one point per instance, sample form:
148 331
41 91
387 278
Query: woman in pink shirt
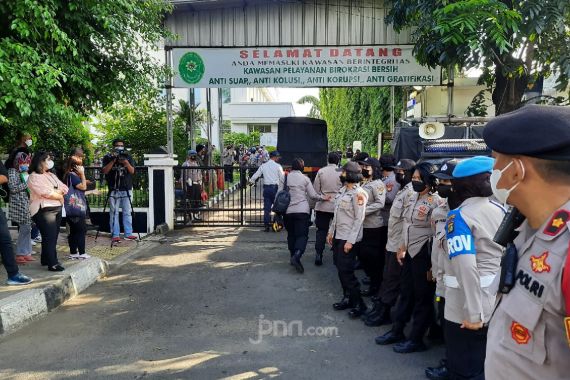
46 202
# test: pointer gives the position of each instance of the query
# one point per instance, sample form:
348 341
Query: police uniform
371 253
327 182
474 261
346 226
529 333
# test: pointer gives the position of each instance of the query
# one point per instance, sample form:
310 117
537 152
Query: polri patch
520 334
567 326
538 264
557 223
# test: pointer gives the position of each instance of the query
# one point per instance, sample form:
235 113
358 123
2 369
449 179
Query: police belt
451 281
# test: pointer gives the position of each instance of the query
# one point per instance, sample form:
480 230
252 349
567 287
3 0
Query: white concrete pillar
161 189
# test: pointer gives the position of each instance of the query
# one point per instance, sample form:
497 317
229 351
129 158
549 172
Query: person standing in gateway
272 174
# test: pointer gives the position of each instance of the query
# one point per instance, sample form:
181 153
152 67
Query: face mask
418 186
444 191
49 164
400 177
29 142
365 173
502 195
23 168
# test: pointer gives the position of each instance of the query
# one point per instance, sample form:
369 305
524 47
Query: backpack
282 200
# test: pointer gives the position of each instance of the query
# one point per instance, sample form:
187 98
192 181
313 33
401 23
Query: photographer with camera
118 168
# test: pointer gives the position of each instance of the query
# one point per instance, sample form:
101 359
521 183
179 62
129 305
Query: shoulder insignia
360 198
520 334
557 223
380 190
539 264
430 199
567 325
389 186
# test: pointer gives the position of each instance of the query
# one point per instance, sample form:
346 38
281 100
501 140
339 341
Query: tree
194 120
357 114
59 57
142 123
514 41
315 111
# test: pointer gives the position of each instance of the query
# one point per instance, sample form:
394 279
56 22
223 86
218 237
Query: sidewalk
21 304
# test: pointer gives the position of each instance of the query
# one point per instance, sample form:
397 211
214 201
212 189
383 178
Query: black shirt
118 179
3 170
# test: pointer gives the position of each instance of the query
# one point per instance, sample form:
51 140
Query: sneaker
131 237
75 256
21 260
84 256
38 239
19 279
116 239
33 242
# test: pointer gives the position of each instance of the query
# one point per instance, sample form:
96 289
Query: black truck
305 138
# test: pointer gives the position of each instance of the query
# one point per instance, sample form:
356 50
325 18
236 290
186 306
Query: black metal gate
217 196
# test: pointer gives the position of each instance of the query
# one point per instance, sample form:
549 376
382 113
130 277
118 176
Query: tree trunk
508 92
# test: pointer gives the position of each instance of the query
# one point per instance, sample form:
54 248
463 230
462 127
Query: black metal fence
99 183
217 195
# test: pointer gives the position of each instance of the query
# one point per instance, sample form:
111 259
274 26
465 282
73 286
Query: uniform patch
389 186
557 223
530 284
430 199
360 198
450 223
380 190
567 325
520 334
538 264
460 240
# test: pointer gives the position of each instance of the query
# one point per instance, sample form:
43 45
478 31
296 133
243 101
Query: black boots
371 291
296 261
390 337
438 373
343 304
381 316
358 310
319 259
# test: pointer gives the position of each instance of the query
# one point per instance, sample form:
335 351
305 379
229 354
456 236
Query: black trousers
416 296
345 266
76 237
6 248
297 226
322 222
48 220
194 195
228 173
371 255
390 288
465 352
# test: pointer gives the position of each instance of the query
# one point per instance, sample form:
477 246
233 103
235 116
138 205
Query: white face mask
502 195
29 142
49 164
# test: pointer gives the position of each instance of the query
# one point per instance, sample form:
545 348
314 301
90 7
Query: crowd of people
38 199
424 234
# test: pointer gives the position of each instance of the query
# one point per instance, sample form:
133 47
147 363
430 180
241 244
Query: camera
120 154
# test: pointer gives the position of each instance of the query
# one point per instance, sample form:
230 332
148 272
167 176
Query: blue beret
534 131
473 166
192 152
274 154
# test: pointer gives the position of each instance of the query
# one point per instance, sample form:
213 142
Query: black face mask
365 173
444 191
342 179
418 186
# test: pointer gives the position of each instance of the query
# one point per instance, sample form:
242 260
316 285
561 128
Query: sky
293 95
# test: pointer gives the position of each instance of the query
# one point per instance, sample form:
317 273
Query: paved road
191 309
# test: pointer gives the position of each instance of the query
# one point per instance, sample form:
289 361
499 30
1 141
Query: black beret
388 162
360 157
371 161
534 131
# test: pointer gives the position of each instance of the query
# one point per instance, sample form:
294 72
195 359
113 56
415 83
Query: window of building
226 95
262 128
226 127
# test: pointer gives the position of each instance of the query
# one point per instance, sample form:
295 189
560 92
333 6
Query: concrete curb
21 308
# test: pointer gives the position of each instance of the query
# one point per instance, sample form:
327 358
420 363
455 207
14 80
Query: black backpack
282 200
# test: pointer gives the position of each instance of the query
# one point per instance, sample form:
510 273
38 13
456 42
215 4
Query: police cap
352 167
388 162
534 131
446 170
405 164
360 157
473 166
371 161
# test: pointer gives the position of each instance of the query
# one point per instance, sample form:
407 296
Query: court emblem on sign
191 68
520 334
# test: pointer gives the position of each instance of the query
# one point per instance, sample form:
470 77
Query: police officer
416 296
327 182
390 287
344 233
529 333
388 162
371 255
474 261
272 174
439 254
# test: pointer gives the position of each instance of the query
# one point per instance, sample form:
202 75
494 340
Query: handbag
282 200
75 202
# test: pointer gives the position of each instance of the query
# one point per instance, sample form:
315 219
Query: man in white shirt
272 173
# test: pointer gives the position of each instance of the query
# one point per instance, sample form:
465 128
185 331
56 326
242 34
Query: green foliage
142 123
192 115
478 106
64 58
519 40
315 111
247 140
357 114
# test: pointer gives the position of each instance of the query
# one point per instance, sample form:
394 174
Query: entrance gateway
237 43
